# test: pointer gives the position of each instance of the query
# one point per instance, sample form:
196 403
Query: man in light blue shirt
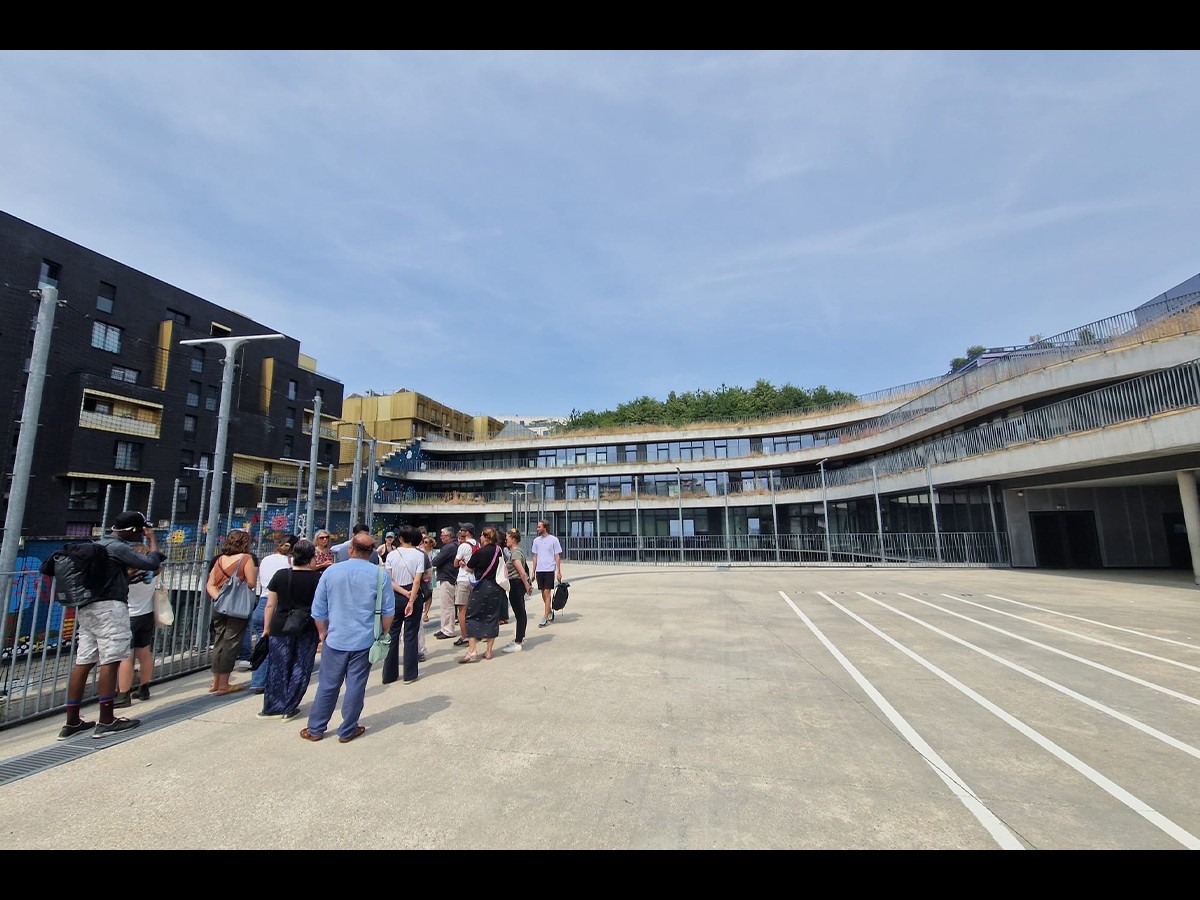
344 613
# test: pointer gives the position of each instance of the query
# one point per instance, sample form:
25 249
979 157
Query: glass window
106 297
121 373
84 494
197 362
210 399
106 337
179 318
189 425
291 395
287 445
48 276
129 456
181 498
289 420
186 460
193 394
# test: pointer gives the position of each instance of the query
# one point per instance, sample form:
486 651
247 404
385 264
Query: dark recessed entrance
1065 539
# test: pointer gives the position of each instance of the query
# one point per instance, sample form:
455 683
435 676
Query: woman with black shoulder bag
290 634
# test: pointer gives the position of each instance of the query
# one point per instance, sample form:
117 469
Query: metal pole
18 492
128 491
200 517
637 521
679 495
299 474
995 527
150 502
262 513
878 509
825 512
597 518
937 536
728 536
328 496
314 445
369 515
355 495
174 510
230 345
774 512
104 519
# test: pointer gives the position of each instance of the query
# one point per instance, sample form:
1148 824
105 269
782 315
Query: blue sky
535 232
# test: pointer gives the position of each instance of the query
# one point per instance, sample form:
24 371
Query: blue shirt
346 600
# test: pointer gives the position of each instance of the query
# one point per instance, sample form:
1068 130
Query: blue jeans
259 677
351 667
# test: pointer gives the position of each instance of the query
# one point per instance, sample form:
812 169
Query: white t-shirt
465 549
141 599
405 565
276 562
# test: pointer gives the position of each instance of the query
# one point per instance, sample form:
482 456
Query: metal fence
37 649
961 548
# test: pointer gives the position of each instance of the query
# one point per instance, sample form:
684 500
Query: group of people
312 597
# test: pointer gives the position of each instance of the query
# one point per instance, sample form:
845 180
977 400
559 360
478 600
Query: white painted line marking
999 832
1110 787
1186 698
1153 637
1087 701
1076 634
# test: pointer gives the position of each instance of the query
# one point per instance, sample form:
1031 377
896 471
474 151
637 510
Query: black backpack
559 600
79 571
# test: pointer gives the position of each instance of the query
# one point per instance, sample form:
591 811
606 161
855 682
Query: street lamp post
231 344
825 511
679 496
299 464
312 460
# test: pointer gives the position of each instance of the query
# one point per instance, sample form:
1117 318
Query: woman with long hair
519 587
228 630
290 657
487 597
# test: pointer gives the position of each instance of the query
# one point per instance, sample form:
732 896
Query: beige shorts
102 633
462 592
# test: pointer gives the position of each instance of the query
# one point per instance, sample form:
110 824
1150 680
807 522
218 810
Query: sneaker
263 715
123 700
288 716
68 731
143 692
543 623
104 730
242 665
514 647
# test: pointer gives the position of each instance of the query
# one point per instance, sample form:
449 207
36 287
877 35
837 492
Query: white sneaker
242 665
511 648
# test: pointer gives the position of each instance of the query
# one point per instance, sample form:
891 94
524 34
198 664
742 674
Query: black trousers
404 629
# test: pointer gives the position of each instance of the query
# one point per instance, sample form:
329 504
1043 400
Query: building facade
129 414
1077 451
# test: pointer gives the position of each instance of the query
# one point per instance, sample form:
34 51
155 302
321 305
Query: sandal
469 658
232 689
311 735
358 732
487 656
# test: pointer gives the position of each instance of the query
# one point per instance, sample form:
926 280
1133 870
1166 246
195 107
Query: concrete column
1191 516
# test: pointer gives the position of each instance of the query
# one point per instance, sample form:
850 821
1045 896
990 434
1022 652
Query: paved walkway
695 708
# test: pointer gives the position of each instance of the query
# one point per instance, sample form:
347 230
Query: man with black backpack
102 626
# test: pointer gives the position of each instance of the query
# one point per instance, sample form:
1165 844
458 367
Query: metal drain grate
82 744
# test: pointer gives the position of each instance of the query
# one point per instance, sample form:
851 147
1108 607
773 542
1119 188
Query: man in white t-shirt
463 584
546 556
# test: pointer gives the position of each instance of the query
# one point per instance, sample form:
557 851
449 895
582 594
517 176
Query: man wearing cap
102 631
463 584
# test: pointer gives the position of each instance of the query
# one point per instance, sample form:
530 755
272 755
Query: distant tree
703 405
960 362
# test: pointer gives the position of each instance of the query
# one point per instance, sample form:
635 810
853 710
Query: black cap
467 527
130 520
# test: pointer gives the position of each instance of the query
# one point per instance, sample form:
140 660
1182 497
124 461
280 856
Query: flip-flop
232 689
358 732
469 658
310 736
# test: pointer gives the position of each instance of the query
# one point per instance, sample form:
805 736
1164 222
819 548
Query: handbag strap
489 568
379 604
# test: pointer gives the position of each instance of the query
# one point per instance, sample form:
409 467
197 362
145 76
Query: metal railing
37 649
979 549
